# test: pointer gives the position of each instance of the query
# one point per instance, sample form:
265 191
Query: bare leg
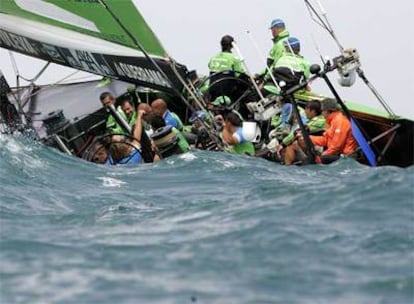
290 153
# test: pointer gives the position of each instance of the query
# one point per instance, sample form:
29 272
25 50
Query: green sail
91 17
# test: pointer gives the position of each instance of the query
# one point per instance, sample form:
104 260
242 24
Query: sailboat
87 36
111 38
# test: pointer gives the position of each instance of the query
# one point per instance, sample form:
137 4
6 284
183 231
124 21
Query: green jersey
316 124
225 61
278 48
180 125
276 52
294 62
113 127
182 142
244 148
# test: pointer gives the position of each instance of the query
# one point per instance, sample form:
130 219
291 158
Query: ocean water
203 227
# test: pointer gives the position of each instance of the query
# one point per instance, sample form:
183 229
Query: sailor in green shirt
316 121
126 112
128 108
316 125
291 66
292 58
291 126
280 34
112 127
225 60
182 142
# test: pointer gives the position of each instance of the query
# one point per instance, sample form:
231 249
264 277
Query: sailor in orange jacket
338 138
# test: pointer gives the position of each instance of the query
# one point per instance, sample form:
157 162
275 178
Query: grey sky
190 31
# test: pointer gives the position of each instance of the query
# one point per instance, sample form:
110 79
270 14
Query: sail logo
87 62
54 12
141 74
19 43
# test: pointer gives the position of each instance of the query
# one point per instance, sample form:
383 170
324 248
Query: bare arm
138 126
228 136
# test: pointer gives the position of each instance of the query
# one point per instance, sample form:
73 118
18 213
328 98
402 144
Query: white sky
191 30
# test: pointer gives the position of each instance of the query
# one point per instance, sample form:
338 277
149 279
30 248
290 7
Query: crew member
225 60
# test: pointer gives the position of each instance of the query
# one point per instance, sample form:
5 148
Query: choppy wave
202 227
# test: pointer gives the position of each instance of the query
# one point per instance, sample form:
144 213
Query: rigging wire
196 96
329 26
81 78
325 24
18 75
14 64
311 14
260 53
319 21
38 74
189 87
43 88
241 58
318 49
193 92
213 136
18 98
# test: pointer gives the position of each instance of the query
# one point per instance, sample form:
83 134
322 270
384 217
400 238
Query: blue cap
277 23
197 115
293 42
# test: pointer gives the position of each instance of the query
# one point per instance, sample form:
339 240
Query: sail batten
60 36
52 11
90 18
